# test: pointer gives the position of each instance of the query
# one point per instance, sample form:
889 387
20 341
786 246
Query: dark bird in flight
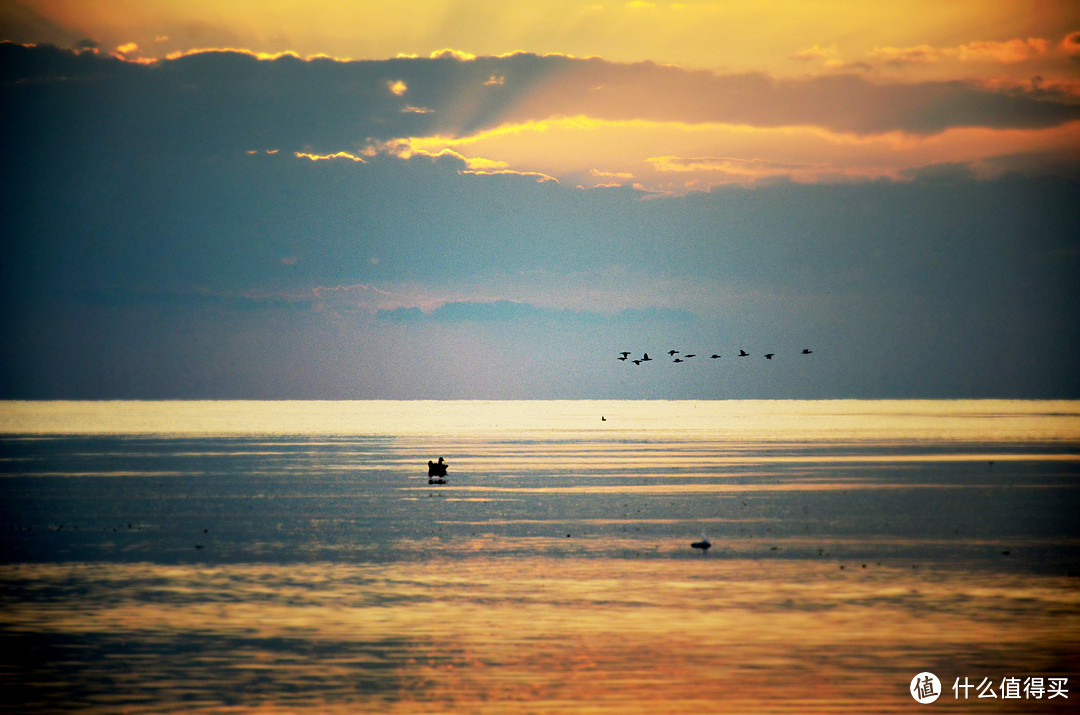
743 353
646 358
621 357
704 544
690 355
678 360
636 362
672 352
624 355
806 351
714 356
768 356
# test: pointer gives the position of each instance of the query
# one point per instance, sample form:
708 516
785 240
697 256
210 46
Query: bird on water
704 544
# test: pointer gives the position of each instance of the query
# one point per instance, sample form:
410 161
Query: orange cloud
922 54
1004 52
1071 44
1010 52
397 88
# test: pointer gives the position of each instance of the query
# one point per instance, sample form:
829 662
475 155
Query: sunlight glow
675 156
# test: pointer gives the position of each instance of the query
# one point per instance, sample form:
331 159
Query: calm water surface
292 557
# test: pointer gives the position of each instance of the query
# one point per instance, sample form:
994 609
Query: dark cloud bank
145 253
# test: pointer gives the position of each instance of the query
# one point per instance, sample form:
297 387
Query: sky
463 199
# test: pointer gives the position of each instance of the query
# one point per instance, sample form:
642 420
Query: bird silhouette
646 358
678 360
672 352
768 356
743 353
714 356
636 362
704 544
806 351
690 355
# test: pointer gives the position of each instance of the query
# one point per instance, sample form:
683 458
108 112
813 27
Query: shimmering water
292 557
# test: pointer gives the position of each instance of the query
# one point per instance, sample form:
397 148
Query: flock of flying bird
683 357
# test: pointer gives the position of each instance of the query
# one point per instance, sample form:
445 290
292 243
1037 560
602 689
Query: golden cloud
325 157
671 156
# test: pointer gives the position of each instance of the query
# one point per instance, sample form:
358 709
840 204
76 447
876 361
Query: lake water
161 557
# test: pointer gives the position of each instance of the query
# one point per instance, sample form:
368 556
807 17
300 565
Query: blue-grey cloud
216 101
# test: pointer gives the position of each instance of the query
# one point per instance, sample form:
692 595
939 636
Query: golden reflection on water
510 635
307 566
739 420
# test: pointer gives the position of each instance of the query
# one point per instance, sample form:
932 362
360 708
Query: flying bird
690 355
806 351
714 356
636 362
646 358
743 353
672 352
768 356
624 355
678 360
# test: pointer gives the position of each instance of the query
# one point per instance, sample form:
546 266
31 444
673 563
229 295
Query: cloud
325 157
517 312
1071 44
1008 52
817 52
449 54
917 55
323 106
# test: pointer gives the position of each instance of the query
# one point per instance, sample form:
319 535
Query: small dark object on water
437 472
704 544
